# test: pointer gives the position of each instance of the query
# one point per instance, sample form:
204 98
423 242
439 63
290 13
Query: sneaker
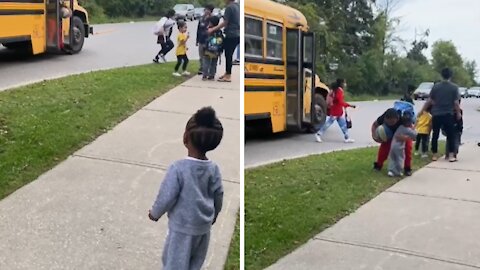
453 159
176 74
416 153
349 141
318 138
424 156
163 58
434 157
186 73
236 62
211 78
200 73
391 174
204 78
408 172
155 60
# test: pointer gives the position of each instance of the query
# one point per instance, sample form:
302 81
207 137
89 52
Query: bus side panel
270 103
24 23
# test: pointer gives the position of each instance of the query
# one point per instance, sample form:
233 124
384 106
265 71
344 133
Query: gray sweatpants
185 252
210 66
396 159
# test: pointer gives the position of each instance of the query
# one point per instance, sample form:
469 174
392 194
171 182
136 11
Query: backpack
214 46
404 108
330 98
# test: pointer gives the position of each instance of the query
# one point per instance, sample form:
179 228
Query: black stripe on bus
264 76
264 88
264 61
8 12
14 39
23 1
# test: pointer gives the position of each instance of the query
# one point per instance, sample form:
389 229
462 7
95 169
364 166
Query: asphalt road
260 151
112 46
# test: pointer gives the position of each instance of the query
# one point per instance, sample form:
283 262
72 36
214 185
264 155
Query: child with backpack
192 195
163 31
396 157
458 131
182 58
336 111
213 50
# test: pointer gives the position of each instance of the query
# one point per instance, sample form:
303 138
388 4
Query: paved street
291 145
427 221
90 212
113 45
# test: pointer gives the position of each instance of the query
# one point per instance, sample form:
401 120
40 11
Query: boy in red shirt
337 112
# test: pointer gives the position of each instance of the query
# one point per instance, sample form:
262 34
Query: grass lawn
42 124
233 260
288 203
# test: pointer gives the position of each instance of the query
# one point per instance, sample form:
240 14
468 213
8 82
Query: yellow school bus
279 67
43 25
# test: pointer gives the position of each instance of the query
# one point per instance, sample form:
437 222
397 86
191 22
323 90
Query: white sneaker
186 73
349 141
176 74
424 156
416 153
164 60
391 174
318 138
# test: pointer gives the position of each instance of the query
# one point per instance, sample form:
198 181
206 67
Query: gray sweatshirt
403 130
192 195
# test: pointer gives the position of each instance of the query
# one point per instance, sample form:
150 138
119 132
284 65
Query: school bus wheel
319 110
78 38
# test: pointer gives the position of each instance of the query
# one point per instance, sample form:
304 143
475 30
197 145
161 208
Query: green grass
365 97
288 203
42 124
233 259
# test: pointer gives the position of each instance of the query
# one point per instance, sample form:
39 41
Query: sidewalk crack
400 251
432 196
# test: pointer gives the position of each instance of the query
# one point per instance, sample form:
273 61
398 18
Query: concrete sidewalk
429 221
90 212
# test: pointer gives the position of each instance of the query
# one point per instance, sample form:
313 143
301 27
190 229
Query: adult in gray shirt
445 106
231 25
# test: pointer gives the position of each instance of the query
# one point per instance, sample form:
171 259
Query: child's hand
151 217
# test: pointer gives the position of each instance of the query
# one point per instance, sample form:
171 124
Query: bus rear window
253 37
274 41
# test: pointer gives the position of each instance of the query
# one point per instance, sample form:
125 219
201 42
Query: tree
445 54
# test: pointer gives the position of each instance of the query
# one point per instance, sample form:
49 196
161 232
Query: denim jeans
342 123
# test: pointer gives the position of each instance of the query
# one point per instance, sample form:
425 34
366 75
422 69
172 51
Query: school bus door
300 64
56 39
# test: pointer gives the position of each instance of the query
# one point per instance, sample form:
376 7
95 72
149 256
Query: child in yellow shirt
423 128
182 58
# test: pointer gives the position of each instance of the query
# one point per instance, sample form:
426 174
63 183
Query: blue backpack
214 45
404 108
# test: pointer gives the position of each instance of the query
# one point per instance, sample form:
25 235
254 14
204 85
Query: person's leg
200 55
179 63
424 141
436 125
169 46
199 253
395 162
382 155
206 66
230 45
407 157
328 123
185 62
342 122
449 125
213 68
418 141
177 251
161 41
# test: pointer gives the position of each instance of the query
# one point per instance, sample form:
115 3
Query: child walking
396 157
458 131
192 195
423 128
182 58
163 31
213 50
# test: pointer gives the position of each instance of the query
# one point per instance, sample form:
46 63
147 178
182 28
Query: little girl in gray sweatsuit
396 158
191 194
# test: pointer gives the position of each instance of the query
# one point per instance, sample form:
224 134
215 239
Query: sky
456 20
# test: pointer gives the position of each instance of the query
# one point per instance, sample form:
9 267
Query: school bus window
253 37
274 41
292 46
308 50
